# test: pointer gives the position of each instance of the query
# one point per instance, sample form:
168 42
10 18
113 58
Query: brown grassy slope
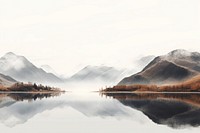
3 88
191 85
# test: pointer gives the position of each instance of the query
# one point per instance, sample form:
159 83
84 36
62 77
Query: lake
91 112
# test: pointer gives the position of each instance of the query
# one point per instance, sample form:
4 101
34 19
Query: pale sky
69 34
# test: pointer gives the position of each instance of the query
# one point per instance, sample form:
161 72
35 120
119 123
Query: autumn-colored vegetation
191 85
3 88
29 88
136 87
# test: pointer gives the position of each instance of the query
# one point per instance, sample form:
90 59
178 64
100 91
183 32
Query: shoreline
148 92
32 92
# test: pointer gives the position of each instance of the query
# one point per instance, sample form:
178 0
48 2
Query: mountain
6 80
21 69
98 73
176 66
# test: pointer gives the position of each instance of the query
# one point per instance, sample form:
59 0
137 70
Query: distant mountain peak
179 52
13 56
10 54
98 73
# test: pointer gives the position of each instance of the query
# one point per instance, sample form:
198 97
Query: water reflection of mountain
13 111
19 108
174 110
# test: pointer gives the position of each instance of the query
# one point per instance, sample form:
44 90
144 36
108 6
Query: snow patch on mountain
11 61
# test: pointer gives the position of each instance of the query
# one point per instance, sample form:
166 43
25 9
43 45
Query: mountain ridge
177 65
97 73
6 80
22 69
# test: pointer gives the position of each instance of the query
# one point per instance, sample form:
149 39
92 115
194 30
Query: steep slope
101 73
6 80
176 66
21 69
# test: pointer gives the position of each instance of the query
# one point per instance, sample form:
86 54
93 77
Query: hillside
190 85
176 66
6 80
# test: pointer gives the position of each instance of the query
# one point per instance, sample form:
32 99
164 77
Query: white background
69 34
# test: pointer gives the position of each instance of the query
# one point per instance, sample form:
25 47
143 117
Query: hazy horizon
68 35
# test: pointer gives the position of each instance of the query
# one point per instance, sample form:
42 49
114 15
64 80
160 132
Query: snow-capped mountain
98 73
21 69
178 65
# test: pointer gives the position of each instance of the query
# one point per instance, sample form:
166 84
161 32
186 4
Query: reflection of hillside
191 98
170 109
29 96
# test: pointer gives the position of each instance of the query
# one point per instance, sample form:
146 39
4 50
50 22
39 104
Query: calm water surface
97 113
